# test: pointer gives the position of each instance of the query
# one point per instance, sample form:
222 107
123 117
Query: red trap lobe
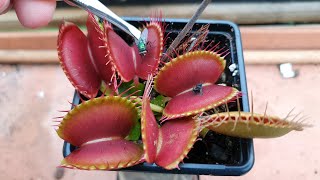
120 54
104 155
148 63
75 60
127 60
176 139
98 128
149 127
168 145
187 71
97 51
98 118
191 103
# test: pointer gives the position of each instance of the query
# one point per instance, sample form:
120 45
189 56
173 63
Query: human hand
31 13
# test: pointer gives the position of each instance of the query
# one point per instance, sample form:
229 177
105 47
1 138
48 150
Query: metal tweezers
100 10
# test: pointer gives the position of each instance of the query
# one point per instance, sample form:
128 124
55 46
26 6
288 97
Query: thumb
5 5
34 13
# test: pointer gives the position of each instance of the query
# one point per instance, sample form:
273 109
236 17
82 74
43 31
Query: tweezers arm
99 9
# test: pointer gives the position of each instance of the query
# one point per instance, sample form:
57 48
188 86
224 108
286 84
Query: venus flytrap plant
185 98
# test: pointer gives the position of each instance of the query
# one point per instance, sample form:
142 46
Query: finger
34 13
5 5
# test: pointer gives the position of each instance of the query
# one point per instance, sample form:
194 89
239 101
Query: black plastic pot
216 154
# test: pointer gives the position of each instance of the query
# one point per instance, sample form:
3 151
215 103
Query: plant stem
105 89
154 107
186 29
204 132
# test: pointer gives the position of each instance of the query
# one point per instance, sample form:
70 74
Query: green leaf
126 85
204 132
159 100
105 89
135 132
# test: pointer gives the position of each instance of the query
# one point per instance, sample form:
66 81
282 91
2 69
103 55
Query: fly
142 43
197 89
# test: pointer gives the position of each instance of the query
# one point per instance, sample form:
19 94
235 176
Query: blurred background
282 55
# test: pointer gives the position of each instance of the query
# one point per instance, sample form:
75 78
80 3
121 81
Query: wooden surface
28 56
241 13
257 57
28 40
260 57
299 37
277 37
261 44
